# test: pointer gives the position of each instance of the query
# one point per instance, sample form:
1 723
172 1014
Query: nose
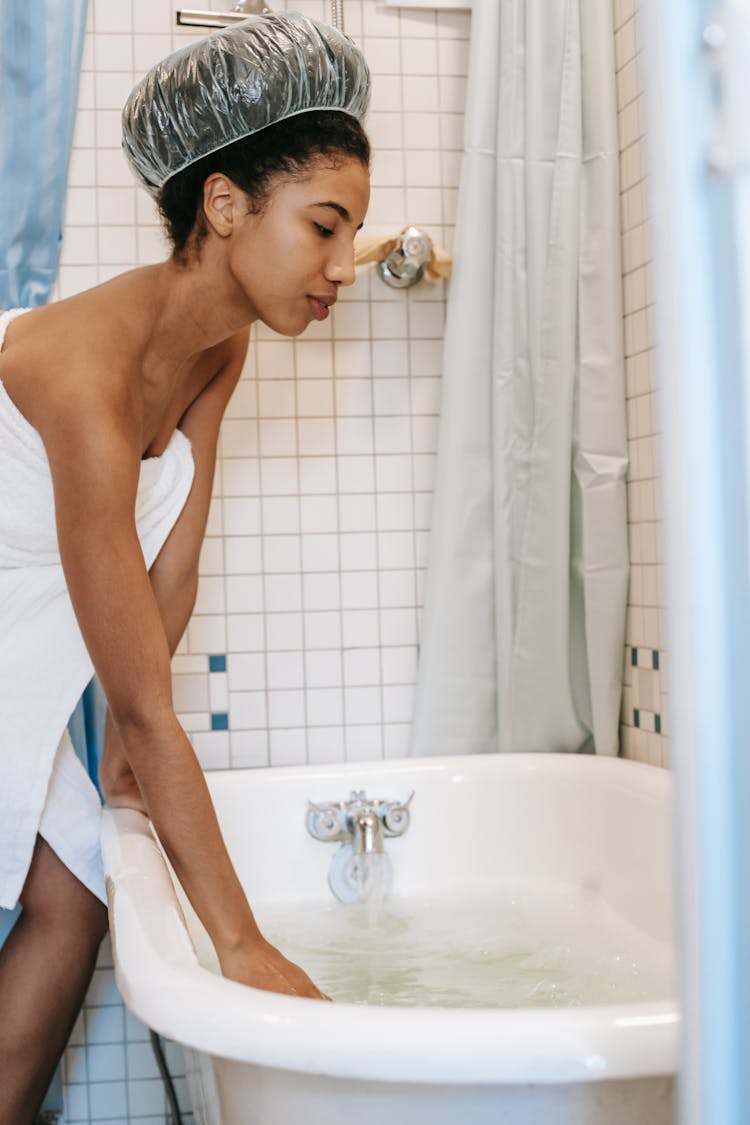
340 268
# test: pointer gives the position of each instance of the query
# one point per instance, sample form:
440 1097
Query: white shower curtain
524 621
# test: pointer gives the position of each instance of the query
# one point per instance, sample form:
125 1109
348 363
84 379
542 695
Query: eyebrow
342 211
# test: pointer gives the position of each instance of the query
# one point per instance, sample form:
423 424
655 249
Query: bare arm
94 453
174 574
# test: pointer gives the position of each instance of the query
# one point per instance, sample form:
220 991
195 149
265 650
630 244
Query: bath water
528 946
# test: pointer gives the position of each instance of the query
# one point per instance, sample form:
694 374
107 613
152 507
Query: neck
194 307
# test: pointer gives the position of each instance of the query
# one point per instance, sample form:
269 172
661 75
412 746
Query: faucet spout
367 832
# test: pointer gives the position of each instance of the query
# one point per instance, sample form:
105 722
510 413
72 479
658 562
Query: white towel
44 665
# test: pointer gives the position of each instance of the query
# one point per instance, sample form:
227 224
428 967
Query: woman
110 405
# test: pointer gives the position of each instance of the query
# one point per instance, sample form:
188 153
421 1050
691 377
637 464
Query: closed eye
324 232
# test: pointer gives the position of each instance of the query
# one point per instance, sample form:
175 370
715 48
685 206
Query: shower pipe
195 17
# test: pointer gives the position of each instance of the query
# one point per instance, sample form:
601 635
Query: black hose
161 1062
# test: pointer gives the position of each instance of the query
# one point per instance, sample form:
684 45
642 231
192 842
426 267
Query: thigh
51 889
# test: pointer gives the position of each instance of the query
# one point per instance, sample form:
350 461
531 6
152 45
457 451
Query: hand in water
262 965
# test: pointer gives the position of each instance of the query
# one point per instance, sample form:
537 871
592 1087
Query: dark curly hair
287 148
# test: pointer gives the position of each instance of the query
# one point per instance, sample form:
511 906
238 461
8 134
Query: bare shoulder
65 356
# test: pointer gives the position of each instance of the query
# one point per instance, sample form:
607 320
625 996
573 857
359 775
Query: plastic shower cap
235 82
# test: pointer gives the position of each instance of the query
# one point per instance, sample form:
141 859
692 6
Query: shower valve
406 263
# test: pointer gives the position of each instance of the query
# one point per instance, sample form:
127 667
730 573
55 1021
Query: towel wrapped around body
44 664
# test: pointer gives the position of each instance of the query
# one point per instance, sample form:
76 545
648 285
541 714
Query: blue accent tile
219 720
217 663
655 660
636 717
634 657
657 723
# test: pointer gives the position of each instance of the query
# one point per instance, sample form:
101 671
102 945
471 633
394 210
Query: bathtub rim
156 968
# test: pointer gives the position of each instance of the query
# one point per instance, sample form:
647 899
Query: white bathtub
599 825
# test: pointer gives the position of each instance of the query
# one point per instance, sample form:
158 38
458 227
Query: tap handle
396 818
326 822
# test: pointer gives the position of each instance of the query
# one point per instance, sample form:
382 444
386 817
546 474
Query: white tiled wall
645 722
303 644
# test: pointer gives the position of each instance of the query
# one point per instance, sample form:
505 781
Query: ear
222 201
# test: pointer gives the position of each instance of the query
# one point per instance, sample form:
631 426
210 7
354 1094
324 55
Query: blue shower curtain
523 628
41 45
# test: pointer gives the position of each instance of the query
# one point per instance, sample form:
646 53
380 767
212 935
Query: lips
320 306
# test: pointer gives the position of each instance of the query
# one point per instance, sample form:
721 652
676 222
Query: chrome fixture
337 14
193 17
360 867
406 263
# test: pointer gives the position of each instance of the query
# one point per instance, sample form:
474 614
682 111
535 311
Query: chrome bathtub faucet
359 825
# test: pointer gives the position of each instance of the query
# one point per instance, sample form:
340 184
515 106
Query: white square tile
279 476
240 476
363 705
398 703
281 515
320 552
242 554
276 359
361 667
321 591
244 593
248 709
104 1024
352 358
318 514
190 693
322 629
248 748
396 740
361 628
207 634
287 747
398 627
357 512
106 1062
314 398
364 742
277 437
359 590
212 749
354 435
323 668
325 744
117 244
76 1102
316 436
314 359
359 551
276 398
286 708
392 434
383 56
74 1065
325 707
282 592
397 588
392 396
353 397
283 631
356 474
246 671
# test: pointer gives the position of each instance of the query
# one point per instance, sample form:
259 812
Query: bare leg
46 965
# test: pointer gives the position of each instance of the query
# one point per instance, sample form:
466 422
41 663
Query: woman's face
291 259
